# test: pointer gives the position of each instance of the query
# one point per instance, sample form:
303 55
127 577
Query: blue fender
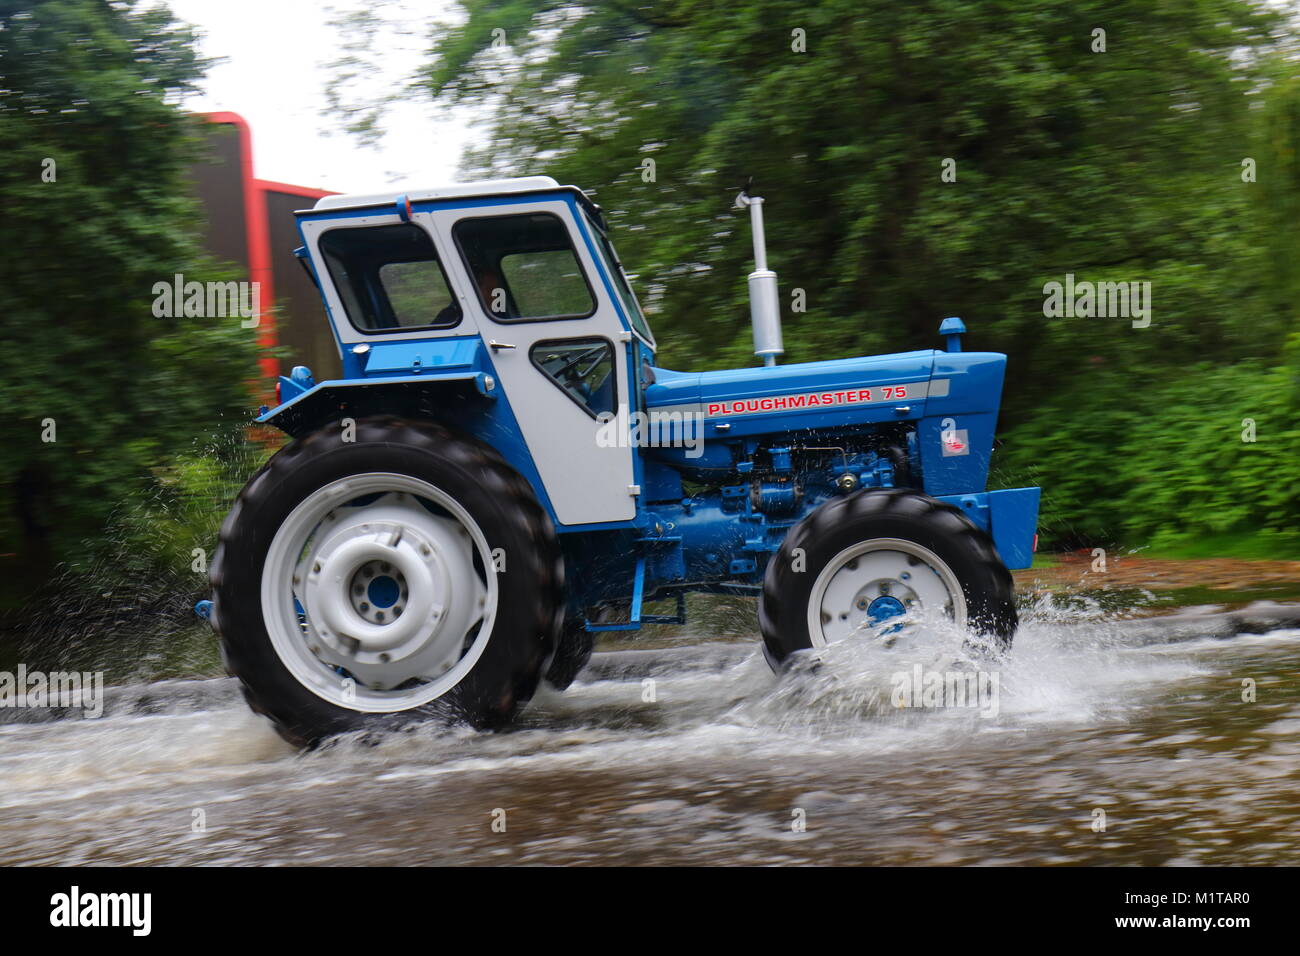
331 400
393 374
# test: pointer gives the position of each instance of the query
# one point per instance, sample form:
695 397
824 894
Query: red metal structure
250 222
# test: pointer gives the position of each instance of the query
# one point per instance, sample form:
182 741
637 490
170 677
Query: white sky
274 76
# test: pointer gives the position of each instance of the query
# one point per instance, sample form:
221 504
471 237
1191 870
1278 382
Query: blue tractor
503 471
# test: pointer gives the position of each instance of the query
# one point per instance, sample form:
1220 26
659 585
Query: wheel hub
880 582
371 544
379 592
389 591
883 608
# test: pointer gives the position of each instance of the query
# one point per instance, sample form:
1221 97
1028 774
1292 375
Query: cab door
527 280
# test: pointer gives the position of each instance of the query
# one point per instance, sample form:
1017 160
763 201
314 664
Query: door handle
494 345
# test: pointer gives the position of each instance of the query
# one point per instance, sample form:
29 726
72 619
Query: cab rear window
389 278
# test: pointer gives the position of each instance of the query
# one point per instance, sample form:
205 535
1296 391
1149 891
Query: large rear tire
406 574
874 558
576 643
572 653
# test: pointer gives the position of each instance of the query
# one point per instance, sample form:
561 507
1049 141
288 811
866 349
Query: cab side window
524 267
582 368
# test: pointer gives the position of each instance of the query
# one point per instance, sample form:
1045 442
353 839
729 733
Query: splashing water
125 607
695 752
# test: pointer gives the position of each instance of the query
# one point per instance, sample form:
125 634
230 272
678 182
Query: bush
124 601
1169 465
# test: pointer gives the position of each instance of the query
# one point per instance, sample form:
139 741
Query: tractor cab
509 289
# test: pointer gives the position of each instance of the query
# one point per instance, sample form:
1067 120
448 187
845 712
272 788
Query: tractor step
636 618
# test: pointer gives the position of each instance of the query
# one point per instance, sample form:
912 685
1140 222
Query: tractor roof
487 187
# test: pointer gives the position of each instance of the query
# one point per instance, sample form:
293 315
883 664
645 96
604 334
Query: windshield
625 295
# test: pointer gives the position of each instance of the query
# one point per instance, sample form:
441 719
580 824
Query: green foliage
188 498
92 87
1210 453
136 583
1067 160
126 604
1123 165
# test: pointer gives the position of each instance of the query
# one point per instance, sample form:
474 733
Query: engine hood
901 386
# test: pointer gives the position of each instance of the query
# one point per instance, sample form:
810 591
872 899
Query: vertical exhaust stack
764 309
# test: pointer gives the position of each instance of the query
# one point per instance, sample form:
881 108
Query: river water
1103 742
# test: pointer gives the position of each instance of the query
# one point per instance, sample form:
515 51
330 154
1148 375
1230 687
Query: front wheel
868 562
408 573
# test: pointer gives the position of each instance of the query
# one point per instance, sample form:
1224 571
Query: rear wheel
571 654
576 643
869 562
407 574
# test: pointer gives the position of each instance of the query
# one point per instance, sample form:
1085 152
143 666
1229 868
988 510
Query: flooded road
1107 742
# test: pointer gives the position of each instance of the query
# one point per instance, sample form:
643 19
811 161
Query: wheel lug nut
365 606
884 589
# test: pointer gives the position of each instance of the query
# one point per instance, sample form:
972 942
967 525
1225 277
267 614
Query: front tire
406 574
879 555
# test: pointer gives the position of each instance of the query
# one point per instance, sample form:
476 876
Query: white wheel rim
389 591
882 581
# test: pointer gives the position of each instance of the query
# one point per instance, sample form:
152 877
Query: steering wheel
569 370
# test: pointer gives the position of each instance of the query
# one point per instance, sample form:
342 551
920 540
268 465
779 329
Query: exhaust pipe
764 309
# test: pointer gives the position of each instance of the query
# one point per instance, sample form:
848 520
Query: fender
395 395
447 380
395 377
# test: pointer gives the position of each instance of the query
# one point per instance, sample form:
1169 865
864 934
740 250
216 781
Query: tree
95 389
1115 164
920 160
